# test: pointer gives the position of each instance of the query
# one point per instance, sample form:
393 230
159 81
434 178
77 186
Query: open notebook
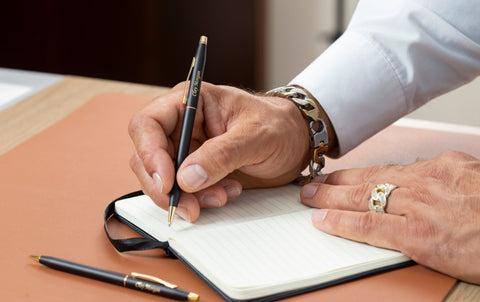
261 246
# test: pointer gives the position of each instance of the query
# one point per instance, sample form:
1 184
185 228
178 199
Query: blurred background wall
142 41
254 44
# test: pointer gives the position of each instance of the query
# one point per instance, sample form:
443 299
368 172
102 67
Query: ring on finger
379 197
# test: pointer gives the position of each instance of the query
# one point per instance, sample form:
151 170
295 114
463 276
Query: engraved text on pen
146 287
195 84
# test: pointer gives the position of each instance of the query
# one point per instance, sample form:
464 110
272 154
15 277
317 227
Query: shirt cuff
357 86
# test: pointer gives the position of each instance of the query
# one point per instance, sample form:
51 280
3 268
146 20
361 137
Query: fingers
219 194
374 174
217 158
351 197
236 135
149 130
189 205
351 189
152 185
369 227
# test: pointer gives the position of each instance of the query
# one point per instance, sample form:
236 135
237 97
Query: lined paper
262 241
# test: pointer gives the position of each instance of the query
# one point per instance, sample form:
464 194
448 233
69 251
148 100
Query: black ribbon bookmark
135 243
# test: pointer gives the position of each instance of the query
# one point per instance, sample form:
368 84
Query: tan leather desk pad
56 186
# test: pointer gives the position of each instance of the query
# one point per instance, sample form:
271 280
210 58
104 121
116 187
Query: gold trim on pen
203 40
35 258
171 214
193 297
186 82
153 279
143 283
190 107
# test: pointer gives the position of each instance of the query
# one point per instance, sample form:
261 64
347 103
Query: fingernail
194 176
309 190
233 192
210 201
183 213
320 178
157 181
319 215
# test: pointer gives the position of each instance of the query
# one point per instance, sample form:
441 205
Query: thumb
218 157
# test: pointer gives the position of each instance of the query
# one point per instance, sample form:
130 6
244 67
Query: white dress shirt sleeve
393 57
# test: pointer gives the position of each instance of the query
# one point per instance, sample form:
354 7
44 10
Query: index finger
382 230
150 129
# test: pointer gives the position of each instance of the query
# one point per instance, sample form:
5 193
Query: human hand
239 140
433 216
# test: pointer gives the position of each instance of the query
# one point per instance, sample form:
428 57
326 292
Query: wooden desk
29 117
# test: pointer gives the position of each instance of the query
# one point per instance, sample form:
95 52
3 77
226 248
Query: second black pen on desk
190 100
141 282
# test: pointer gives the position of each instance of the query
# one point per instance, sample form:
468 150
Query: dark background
143 41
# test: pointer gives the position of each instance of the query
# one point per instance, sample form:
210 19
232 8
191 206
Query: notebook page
251 205
283 252
261 241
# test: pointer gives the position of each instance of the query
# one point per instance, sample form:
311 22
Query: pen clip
153 279
186 82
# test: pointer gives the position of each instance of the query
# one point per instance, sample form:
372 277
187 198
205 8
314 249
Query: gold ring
379 196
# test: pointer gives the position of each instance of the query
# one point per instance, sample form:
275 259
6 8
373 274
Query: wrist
295 132
314 116
333 149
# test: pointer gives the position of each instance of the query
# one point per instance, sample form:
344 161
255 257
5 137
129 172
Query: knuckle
439 172
324 197
419 230
365 224
179 86
133 163
454 155
371 173
359 194
333 177
434 169
146 159
449 159
135 124
420 195
219 157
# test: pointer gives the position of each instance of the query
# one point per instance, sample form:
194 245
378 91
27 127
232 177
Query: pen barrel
188 119
192 102
83 270
197 75
156 289
114 278
186 135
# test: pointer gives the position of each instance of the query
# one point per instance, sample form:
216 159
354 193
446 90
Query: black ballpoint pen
196 70
136 281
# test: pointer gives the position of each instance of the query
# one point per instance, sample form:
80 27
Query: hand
239 140
433 216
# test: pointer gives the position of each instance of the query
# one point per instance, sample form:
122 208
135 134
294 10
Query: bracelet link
317 128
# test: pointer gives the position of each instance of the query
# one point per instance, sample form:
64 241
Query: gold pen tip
34 257
193 297
171 214
203 40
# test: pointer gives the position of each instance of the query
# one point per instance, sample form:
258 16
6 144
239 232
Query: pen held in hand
135 281
190 101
